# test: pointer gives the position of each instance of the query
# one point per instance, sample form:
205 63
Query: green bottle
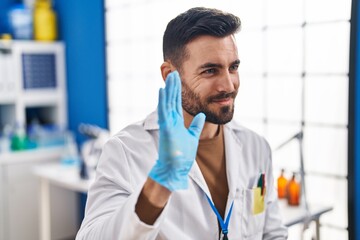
18 140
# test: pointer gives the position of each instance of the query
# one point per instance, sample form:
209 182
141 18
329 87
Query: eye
234 68
209 71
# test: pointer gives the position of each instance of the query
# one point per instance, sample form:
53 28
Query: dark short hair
193 23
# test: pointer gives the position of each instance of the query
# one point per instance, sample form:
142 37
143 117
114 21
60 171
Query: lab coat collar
151 123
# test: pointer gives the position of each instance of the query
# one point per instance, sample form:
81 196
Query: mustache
222 95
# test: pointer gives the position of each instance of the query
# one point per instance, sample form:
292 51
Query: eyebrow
216 65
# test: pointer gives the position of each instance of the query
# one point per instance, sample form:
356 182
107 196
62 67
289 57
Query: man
148 184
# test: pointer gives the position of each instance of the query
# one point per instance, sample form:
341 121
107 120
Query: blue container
20 22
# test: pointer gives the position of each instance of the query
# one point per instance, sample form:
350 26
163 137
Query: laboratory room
183 119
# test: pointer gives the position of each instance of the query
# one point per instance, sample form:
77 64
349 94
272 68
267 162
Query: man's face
210 78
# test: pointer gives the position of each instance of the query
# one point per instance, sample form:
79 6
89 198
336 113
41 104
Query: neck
209 131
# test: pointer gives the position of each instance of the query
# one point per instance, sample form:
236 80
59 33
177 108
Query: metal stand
299 136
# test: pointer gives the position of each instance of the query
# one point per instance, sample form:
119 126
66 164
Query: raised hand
177 144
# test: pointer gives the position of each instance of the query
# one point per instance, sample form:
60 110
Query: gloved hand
177 145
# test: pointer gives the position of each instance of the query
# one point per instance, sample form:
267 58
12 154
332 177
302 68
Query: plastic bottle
18 140
281 185
5 143
293 191
70 155
44 21
21 22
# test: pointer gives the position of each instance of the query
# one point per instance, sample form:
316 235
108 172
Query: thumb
197 124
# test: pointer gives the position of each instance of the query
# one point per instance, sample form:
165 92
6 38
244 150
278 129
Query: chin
223 116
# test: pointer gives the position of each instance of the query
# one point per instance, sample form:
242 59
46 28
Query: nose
228 82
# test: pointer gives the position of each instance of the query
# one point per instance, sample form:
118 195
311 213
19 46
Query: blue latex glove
177 145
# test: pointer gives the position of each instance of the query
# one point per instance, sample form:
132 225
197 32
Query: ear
166 68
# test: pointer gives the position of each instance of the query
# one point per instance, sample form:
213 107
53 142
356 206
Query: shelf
7 99
41 97
35 155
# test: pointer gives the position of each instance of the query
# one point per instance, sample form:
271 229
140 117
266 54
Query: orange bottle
293 192
281 185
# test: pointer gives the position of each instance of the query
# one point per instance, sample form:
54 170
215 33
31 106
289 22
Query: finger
169 91
175 90
197 124
178 94
161 106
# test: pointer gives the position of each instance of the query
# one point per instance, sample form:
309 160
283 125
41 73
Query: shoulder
137 133
247 136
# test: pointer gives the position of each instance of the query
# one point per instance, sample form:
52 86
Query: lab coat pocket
253 214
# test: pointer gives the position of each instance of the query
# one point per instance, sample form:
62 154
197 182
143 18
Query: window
294 77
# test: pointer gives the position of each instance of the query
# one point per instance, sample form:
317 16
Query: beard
192 103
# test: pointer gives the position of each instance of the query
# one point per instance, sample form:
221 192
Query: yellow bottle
44 21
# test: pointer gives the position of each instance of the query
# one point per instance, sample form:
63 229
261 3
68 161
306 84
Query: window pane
327 10
325 150
284 50
128 115
118 91
251 14
119 58
250 99
118 22
131 57
327 48
284 12
250 47
326 99
255 125
284 98
329 192
333 234
112 4
295 232
288 156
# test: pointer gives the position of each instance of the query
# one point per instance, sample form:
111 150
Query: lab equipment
5 143
177 145
91 149
71 154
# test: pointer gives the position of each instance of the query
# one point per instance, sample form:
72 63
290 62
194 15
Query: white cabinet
20 198
32 86
32 79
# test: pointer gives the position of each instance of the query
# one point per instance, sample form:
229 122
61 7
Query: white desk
68 178
295 215
63 176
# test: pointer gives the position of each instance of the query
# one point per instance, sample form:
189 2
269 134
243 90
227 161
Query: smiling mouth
223 101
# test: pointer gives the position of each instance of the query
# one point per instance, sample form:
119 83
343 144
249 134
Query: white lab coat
124 166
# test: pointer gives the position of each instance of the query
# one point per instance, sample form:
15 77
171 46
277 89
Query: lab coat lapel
233 156
196 175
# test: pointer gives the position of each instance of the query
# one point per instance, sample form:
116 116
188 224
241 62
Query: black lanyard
224 225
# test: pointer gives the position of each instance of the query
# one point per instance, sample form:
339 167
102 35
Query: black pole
352 184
